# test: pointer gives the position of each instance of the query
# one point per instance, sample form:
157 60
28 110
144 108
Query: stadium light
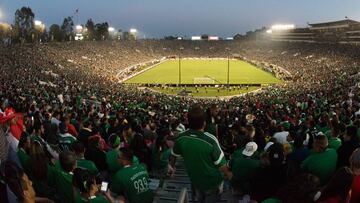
133 31
269 31
111 29
79 27
282 27
38 23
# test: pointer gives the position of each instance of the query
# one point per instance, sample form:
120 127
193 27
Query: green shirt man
322 162
202 156
132 180
244 167
87 164
66 140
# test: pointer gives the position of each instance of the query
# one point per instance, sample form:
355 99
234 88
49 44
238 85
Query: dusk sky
158 18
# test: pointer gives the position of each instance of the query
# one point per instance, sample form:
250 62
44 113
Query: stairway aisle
172 187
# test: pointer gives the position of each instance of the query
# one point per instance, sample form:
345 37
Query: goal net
204 81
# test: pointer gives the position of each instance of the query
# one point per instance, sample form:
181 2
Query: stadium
90 113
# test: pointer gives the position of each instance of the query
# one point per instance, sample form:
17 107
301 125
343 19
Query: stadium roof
334 23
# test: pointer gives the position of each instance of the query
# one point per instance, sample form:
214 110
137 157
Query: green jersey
160 161
63 183
334 143
113 162
24 159
132 181
88 165
322 164
65 141
202 156
271 200
243 169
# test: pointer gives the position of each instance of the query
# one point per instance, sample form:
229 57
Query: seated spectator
132 181
271 175
334 140
81 162
64 176
337 190
20 187
300 152
112 155
282 134
41 171
71 128
23 151
299 190
322 162
94 153
354 194
350 143
65 139
85 132
244 167
86 189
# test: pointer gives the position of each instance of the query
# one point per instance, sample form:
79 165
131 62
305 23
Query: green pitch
168 73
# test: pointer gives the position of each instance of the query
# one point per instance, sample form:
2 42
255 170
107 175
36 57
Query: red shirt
72 130
354 194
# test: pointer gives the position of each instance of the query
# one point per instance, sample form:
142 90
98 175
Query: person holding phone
86 189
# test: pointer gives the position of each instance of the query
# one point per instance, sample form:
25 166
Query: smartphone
104 186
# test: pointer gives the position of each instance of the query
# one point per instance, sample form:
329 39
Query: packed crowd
68 125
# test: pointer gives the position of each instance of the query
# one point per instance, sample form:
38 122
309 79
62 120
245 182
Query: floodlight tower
134 32
228 68
181 48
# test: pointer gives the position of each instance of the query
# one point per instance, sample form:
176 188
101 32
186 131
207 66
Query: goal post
203 81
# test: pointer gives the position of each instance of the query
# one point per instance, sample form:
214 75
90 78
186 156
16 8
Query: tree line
25 30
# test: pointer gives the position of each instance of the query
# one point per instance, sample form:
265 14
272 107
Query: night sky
158 18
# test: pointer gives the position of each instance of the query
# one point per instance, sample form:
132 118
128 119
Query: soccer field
216 70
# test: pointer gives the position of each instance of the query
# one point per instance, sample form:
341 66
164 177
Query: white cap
250 149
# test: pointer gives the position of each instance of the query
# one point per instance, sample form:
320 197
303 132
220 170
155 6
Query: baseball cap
250 149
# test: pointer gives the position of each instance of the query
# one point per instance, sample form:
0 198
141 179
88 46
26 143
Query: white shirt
281 137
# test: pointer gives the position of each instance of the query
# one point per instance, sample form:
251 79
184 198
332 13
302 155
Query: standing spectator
322 162
204 160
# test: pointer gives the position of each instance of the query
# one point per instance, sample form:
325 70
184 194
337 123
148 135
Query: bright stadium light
79 27
282 27
133 30
269 31
38 23
111 29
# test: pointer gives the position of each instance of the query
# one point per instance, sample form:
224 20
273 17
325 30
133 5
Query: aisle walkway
180 182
